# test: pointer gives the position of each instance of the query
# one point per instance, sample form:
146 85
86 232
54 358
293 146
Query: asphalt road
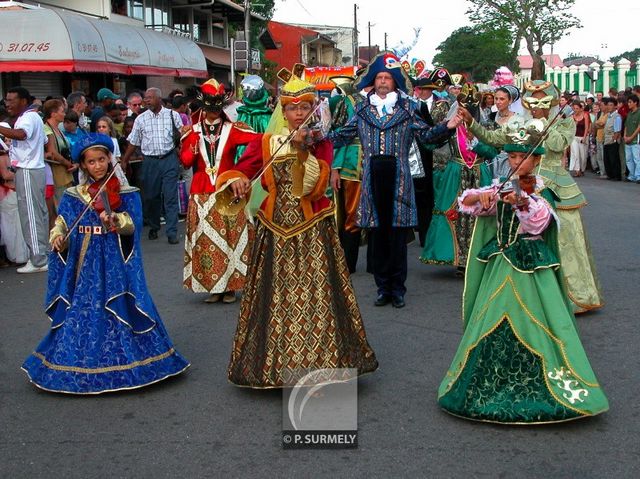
198 425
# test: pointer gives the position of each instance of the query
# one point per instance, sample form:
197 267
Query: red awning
44 40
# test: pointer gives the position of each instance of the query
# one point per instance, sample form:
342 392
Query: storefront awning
43 40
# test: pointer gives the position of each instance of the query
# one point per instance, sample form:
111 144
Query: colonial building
57 46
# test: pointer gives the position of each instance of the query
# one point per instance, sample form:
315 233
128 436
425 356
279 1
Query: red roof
526 61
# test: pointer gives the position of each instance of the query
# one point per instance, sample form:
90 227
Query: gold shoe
229 297
214 298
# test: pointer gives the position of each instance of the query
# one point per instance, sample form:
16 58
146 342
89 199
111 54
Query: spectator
15 248
105 127
180 105
581 139
632 138
134 104
600 118
599 96
78 103
589 102
71 128
134 170
106 98
27 158
154 131
612 129
58 148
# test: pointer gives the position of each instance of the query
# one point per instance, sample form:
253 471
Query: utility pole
385 40
369 47
247 27
356 50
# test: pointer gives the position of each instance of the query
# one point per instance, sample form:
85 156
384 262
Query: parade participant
386 123
106 334
582 284
423 181
520 360
346 171
298 309
255 112
449 235
216 246
504 97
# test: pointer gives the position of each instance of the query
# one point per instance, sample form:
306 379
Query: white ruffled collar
384 105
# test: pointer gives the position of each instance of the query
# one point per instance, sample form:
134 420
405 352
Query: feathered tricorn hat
441 77
385 62
295 89
213 96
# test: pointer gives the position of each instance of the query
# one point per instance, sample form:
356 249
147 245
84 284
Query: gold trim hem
106 390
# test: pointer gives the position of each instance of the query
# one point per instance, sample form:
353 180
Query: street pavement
198 425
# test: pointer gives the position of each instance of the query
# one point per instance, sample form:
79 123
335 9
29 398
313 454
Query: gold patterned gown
298 309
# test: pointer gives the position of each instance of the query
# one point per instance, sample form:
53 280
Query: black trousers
388 244
612 161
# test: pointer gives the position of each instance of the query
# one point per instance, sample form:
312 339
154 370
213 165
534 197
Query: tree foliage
631 55
538 22
476 52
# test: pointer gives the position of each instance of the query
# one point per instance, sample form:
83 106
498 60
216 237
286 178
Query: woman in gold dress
298 310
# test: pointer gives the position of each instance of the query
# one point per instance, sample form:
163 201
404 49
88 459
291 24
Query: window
128 8
201 27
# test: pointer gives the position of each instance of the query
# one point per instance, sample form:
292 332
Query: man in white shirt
27 158
153 132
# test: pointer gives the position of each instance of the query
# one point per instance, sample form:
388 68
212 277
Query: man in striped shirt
153 133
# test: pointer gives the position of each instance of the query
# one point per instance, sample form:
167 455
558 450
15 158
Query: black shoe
153 234
172 240
397 302
382 300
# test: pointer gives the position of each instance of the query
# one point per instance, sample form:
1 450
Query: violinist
541 98
106 334
520 350
298 308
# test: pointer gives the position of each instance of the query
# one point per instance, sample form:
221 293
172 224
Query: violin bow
88 206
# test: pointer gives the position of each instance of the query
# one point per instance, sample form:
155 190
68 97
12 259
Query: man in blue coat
386 123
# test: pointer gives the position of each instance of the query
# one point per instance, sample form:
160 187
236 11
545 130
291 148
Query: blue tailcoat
389 135
106 334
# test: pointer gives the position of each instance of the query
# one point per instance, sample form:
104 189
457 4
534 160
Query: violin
108 199
522 184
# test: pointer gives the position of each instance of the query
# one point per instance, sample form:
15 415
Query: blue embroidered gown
106 334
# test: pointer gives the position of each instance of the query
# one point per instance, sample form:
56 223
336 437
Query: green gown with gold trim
520 360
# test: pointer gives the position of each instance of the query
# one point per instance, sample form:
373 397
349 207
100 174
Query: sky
604 31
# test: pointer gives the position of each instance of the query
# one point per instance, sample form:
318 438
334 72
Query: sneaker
30 268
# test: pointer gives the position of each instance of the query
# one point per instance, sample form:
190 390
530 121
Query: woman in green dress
449 234
580 278
520 360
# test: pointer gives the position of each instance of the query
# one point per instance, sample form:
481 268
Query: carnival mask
544 103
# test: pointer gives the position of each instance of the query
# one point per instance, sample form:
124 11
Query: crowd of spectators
607 137
62 122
